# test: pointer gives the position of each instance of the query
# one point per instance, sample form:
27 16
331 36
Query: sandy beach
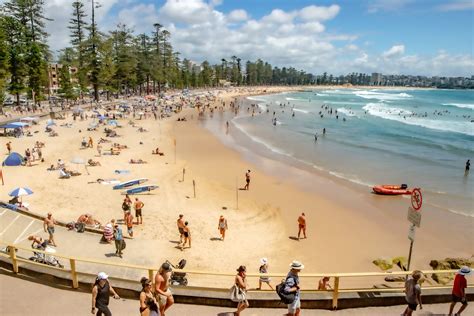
347 228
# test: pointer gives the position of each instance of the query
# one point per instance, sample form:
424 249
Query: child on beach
187 236
222 226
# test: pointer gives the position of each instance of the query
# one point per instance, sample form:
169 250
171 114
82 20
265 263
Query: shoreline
265 220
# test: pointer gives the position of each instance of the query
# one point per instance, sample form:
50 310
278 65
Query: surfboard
142 189
129 183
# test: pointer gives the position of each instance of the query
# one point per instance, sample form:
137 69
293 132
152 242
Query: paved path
18 296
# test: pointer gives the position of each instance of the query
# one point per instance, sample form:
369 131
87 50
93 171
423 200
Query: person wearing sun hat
101 293
292 285
459 290
264 270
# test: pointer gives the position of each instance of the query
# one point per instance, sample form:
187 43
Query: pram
178 278
46 258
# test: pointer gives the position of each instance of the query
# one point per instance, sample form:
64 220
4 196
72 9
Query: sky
417 37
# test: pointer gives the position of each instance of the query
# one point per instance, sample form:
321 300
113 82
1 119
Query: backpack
80 227
285 297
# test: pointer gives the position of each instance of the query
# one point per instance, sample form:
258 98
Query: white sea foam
261 141
381 96
392 113
300 110
347 112
322 94
256 99
295 99
461 105
352 179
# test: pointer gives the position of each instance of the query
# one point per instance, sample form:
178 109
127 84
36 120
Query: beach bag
123 244
236 294
285 297
80 227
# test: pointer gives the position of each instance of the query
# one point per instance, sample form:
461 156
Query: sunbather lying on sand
118 146
93 163
53 134
39 144
142 130
88 220
103 140
114 151
157 152
137 161
72 173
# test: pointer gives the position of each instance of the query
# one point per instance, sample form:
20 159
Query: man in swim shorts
48 226
302 225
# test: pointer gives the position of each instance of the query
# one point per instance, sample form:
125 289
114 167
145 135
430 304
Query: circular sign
416 199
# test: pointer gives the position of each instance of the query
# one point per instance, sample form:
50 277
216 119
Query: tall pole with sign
414 217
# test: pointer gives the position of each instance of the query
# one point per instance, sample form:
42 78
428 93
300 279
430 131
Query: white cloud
316 13
459 5
299 38
237 16
394 51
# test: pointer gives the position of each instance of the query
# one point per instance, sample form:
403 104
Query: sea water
419 137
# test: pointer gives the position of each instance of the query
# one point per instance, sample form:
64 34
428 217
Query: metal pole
409 256
194 188
184 171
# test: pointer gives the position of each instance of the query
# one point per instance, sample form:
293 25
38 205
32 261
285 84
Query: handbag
236 294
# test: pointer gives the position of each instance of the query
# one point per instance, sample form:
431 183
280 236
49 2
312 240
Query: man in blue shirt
118 240
292 284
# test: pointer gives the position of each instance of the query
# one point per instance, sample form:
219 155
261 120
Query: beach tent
14 125
30 120
14 159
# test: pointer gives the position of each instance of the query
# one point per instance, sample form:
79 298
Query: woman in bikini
148 303
222 226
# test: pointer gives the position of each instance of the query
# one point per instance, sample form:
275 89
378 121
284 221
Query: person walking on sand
292 285
187 236
247 180
99 149
138 210
241 282
264 270
148 303
468 166
90 143
413 293
118 236
101 294
459 290
129 223
48 226
9 147
180 223
222 226
302 225
162 288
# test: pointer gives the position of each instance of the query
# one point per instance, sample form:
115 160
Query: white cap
102 276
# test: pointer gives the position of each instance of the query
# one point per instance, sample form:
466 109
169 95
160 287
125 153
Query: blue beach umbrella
20 192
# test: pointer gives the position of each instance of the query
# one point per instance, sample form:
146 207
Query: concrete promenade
23 296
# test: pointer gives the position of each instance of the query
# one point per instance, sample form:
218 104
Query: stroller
178 278
46 258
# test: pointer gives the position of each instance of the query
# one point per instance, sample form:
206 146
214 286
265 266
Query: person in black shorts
247 180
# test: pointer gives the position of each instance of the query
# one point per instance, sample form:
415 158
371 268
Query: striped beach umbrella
20 192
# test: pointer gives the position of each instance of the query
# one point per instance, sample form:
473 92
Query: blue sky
427 37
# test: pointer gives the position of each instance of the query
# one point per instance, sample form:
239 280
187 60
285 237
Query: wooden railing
336 290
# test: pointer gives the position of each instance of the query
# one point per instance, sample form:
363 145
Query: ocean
422 138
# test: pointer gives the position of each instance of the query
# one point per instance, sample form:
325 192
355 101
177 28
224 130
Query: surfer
468 166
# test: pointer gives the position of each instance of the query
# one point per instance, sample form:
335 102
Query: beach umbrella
20 192
80 161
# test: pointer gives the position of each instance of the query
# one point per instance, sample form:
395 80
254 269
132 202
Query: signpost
414 217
